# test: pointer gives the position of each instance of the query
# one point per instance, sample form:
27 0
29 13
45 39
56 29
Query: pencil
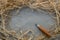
44 30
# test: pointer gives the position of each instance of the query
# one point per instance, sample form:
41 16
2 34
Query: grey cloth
27 18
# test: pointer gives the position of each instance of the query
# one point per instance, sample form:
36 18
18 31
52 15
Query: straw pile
52 6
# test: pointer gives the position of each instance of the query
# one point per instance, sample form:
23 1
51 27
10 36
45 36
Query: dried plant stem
57 13
3 21
58 21
31 37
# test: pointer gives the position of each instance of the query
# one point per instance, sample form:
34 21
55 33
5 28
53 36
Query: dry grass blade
57 13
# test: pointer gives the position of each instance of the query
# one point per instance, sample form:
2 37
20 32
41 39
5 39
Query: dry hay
52 6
